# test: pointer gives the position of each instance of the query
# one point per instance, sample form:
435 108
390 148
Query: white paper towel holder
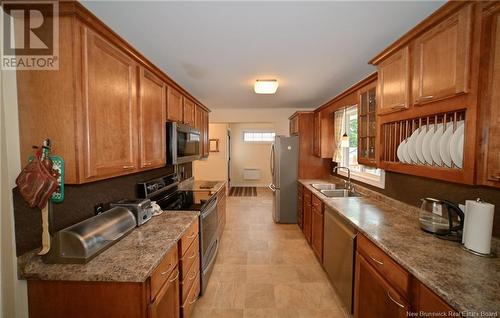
490 255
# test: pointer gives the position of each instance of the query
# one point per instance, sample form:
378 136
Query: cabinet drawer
189 278
307 196
163 270
191 256
187 306
189 236
390 270
317 204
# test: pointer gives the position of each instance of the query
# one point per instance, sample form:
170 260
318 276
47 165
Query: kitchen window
258 136
346 152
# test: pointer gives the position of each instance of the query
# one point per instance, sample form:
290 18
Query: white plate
399 151
457 145
444 145
404 151
436 137
426 144
418 144
411 147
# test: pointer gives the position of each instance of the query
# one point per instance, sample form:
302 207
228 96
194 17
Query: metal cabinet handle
193 256
192 301
147 164
376 260
495 177
193 276
427 97
394 301
191 236
175 278
399 106
168 270
128 166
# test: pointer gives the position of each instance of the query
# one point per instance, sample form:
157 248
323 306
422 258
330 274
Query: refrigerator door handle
271 159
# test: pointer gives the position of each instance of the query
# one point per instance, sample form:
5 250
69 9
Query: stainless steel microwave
183 143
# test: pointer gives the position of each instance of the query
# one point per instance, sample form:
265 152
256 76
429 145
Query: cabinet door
109 109
493 146
317 232
373 296
174 105
393 83
307 210
199 124
166 303
188 112
205 134
317 135
367 126
442 59
431 304
151 120
294 125
300 207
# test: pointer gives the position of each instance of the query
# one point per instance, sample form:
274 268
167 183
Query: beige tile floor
265 269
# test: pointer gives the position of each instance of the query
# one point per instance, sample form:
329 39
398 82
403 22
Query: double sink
332 190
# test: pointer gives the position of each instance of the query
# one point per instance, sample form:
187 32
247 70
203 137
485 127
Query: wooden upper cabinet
367 126
393 82
441 59
151 120
205 135
188 112
317 135
491 120
109 109
199 123
174 105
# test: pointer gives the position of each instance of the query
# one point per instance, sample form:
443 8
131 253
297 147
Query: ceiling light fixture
265 86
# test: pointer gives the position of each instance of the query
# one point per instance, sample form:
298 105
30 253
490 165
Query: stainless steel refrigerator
284 164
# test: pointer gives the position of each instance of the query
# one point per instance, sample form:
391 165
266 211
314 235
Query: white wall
13 291
249 155
277 116
215 166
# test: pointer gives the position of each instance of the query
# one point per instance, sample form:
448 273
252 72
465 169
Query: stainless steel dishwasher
338 255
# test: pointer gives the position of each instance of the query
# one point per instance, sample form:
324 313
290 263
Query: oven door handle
209 209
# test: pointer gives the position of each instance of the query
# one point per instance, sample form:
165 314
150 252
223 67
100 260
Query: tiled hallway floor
265 269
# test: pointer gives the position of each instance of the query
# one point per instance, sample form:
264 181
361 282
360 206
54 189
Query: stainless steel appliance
83 241
442 218
142 209
284 161
167 195
338 255
183 143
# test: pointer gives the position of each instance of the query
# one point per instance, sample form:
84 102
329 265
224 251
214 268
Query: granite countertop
469 283
132 259
199 185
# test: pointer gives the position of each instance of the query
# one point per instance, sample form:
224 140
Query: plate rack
393 133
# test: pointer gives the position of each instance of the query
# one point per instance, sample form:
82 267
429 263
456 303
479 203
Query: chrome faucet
348 184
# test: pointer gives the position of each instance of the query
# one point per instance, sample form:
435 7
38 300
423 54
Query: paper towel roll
478 226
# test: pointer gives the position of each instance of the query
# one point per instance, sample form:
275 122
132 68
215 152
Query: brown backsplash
410 189
78 204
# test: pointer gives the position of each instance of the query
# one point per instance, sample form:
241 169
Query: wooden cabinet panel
317 223
431 304
188 238
205 135
188 112
109 109
442 59
307 215
151 120
300 206
393 82
166 303
491 173
392 271
317 135
294 125
367 126
187 307
373 296
162 271
174 105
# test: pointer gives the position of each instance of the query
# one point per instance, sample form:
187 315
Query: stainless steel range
167 195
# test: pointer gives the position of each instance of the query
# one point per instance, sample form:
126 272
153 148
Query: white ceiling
216 50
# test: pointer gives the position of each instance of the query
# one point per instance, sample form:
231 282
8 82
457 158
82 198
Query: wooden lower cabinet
427 302
166 303
189 251
307 210
374 297
317 223
221 209
300 205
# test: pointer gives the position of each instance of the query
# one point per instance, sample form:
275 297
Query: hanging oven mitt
36 182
